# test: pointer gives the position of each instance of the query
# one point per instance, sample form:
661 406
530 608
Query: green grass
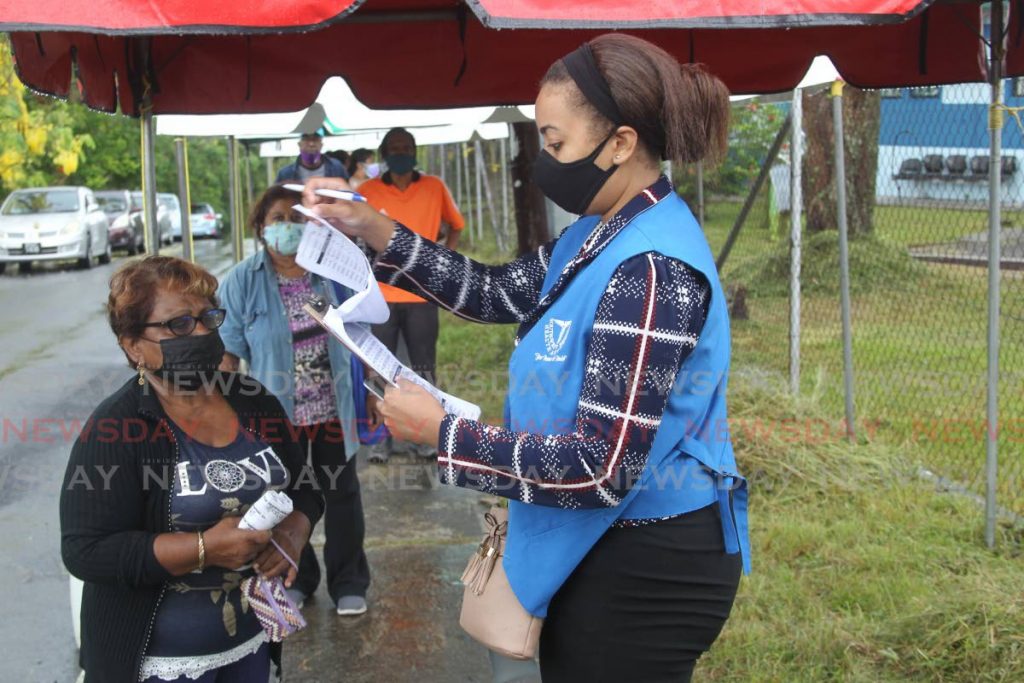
862 571
919 338
472 359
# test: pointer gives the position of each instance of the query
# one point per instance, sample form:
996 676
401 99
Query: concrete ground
419 538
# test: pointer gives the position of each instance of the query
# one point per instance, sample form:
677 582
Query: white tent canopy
338 111
371 139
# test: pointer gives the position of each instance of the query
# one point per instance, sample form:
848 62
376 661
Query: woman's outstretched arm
491 294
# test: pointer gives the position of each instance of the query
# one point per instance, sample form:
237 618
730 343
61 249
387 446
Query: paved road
57 361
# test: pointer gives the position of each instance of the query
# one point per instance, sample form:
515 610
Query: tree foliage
752 129
46 141
39 144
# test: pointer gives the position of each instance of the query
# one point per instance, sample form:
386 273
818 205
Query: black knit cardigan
115 500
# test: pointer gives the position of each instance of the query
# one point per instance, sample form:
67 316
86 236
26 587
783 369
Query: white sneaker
351 605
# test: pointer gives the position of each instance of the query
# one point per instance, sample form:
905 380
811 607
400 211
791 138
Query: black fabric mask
190 361
574 184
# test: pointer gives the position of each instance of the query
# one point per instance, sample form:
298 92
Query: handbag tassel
481 564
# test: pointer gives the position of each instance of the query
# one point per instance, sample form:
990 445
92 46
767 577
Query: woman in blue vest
627 520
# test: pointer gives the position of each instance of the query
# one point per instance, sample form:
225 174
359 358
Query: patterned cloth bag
277 614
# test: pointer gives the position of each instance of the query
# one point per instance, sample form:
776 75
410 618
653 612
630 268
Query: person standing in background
311 163
423 203
362 167
339 154
310 372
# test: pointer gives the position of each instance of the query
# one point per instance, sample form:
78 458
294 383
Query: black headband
582 66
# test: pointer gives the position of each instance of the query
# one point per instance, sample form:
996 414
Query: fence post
844 255
479 232
994 191
458 177
700 193
503 144
796 201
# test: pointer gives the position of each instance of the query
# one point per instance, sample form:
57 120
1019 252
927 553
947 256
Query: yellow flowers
66 161
35 140
37 136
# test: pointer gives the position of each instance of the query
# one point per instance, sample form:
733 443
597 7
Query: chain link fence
917 186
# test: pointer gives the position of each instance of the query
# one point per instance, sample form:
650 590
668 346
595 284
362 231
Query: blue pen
347 195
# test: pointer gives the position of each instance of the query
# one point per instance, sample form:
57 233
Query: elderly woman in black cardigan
155 487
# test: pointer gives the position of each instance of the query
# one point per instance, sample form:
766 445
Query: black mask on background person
190 361
574 184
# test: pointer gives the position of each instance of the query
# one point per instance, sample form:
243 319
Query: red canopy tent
247 57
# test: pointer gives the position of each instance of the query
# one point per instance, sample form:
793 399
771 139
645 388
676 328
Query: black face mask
190 361
571 185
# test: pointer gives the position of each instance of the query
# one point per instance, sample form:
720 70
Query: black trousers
644 604
348 572
418 325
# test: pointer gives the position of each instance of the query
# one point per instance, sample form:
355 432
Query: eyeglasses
182 326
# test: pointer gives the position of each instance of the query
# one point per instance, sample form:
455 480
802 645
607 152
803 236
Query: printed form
330 254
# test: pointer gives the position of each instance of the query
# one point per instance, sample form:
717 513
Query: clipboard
317 307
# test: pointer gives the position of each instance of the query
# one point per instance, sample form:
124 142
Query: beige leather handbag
491 613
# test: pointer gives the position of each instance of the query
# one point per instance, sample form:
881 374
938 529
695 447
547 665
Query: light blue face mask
284 238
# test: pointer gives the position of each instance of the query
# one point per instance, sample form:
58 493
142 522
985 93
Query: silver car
52 224
205 221
172 206
163 219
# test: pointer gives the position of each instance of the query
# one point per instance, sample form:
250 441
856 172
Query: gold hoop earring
142 373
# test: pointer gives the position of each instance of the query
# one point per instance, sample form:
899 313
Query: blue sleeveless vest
691 462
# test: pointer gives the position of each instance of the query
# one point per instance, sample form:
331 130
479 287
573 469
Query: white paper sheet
325 251
330 254
361 341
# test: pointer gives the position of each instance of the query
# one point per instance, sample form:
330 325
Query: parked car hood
45 221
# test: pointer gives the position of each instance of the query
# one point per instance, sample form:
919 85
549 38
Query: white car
52 224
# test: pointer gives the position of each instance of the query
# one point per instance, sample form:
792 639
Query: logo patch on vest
556 333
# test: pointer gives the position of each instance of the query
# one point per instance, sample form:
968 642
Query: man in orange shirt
422 203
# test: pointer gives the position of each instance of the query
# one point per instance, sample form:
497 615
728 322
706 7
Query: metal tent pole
796 201
844 255
270 171
249 190
181 154
149 206
994 257
444 164
234 195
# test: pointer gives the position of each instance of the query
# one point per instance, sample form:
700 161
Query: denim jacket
256 330
332 169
